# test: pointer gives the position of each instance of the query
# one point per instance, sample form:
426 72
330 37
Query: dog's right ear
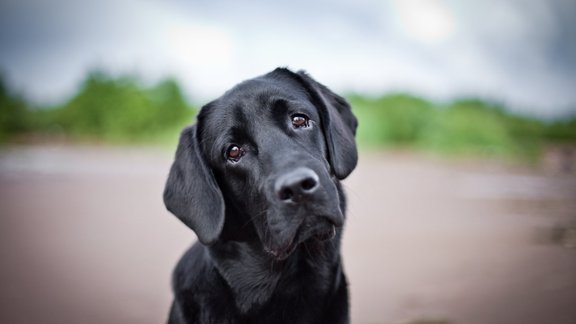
191 192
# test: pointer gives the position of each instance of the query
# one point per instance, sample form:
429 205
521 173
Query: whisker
254 217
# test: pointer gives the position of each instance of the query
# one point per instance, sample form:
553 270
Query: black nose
296 186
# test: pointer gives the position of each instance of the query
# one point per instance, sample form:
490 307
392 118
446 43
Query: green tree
14 116
122 109
392 120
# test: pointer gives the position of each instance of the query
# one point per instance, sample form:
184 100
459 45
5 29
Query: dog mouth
283 253
326 235
321 233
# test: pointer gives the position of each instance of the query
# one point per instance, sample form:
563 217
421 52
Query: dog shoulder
200 293
194 270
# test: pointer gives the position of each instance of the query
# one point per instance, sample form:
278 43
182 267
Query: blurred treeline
123 110
105 108
464 127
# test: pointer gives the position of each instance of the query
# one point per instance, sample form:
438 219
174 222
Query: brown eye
300 120
234 153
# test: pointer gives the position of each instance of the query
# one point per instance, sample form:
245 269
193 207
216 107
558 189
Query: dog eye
300 120
234 153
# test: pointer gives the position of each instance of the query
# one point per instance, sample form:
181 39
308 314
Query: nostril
296 186
285 194
308 184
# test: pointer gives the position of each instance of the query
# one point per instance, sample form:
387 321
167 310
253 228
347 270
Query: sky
521 53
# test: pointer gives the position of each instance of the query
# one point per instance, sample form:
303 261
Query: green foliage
561 131
112 109
463 127
14 114
122 109
392 120
474 127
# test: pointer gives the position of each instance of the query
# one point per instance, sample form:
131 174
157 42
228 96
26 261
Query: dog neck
254 276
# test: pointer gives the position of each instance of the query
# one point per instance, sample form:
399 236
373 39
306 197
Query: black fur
270 221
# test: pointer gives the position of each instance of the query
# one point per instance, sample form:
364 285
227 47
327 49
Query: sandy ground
84 238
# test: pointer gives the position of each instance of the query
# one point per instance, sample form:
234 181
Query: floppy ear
191 192
338 123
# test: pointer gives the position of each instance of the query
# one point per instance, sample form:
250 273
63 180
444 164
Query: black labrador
257 179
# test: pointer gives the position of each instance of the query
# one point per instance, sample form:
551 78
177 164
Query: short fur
269 222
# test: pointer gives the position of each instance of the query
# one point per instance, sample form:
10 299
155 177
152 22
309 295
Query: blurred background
462 208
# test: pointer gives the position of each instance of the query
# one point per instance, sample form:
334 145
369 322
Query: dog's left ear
191 193
339 125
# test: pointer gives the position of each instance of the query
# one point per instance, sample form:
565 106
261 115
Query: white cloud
495 48
429 21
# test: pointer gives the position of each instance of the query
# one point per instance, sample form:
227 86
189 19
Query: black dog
257 179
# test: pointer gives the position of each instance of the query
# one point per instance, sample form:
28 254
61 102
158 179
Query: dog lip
281 254
326 235
307 231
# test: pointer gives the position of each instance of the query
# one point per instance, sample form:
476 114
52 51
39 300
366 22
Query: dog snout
296 186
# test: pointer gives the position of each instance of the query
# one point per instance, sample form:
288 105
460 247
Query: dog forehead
250 100
259 92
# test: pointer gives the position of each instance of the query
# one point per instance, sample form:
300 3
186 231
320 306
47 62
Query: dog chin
322 233
283 253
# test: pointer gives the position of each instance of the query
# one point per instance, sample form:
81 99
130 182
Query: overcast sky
521 53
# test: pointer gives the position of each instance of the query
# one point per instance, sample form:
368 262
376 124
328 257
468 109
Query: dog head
264 160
